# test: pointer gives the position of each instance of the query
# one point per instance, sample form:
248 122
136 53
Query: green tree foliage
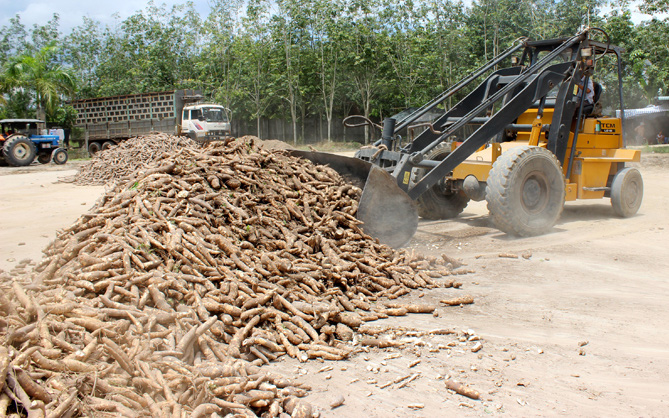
655 6
43 77
217 68
153 50
256 52
290 34
13 39
300 60
83 51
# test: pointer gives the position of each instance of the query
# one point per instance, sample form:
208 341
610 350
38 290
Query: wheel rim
631 193
60 157
534 192
21 151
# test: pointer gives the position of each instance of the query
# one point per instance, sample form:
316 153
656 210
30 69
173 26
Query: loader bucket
353 170
386 211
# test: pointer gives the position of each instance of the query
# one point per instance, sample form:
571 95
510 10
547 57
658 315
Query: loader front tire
626 192
439 202
525 191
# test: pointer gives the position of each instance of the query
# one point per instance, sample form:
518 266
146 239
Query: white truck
108 120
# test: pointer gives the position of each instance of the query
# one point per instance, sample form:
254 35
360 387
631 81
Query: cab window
215 114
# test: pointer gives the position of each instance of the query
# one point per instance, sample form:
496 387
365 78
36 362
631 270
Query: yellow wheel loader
527 138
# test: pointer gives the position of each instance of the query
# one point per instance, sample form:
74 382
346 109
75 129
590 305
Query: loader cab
589 55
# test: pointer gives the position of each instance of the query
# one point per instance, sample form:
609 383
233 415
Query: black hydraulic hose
365 122
608 42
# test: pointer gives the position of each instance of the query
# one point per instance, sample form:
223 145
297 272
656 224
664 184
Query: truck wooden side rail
108 120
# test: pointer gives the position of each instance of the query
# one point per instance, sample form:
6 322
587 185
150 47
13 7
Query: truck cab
205 122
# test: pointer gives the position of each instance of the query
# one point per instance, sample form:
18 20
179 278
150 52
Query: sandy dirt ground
576 325
34 204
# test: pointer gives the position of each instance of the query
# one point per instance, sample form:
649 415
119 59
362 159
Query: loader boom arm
519 93
535 90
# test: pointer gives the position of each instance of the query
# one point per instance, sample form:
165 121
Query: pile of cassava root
110 165
167 297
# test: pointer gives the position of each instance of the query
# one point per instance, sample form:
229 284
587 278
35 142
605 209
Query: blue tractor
22 140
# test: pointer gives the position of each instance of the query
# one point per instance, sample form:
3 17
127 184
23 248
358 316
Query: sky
71 12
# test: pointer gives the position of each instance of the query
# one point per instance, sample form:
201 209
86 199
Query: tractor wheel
19 151
626 192
107 144
439 202
525 191
93 148
44 158
59 156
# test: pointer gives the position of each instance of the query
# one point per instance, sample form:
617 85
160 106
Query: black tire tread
8 146
55 158
44 158
618 201
93 148
433 205
503 209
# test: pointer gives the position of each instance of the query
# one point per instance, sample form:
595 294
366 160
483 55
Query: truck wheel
59 156
439 202
626 192
525 191
44 158
93 148
107 145
19 151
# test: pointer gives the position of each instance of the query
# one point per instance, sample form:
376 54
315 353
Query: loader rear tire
19 151
626 192
525 191
439 202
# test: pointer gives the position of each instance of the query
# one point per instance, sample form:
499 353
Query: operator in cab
589 103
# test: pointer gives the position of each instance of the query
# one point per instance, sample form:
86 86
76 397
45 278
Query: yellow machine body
599 150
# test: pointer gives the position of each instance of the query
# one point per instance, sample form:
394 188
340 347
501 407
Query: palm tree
5 86
41 75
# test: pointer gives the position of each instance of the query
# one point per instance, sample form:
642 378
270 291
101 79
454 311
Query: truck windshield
215 114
